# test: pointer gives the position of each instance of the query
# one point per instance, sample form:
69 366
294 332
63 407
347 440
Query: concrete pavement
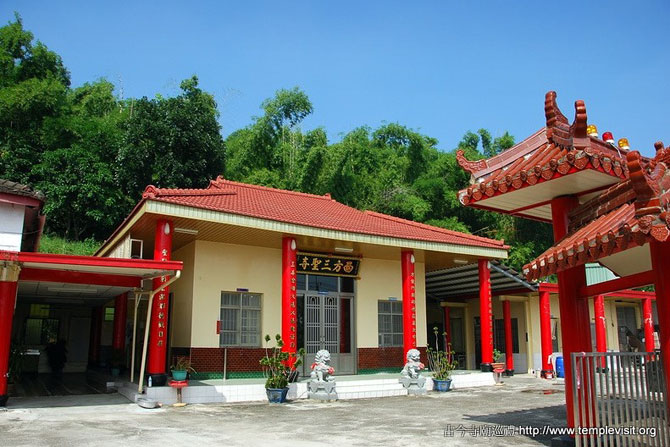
98 420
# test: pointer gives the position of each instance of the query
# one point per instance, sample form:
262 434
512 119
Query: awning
463 282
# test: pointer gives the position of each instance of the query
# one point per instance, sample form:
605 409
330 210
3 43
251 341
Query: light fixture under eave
461 261
344 249
186 231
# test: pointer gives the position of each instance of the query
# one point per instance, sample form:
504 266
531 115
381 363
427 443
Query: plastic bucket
560 370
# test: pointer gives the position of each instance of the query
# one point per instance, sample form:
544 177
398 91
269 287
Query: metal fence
619 399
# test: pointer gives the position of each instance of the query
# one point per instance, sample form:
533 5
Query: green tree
170 142
33 89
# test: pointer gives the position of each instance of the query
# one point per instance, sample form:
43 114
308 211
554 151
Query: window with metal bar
240 319
389 323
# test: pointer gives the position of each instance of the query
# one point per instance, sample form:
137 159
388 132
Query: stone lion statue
413 366
321 369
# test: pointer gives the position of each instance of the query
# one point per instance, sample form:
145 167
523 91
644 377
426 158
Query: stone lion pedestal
411 378
322 385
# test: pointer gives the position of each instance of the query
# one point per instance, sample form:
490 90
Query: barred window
390 323
240 319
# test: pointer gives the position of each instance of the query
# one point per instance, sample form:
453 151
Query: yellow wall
215 267
227 267
381 279
182 298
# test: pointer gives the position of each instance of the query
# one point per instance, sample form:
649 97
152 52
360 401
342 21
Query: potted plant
441 363
497 357
181 368
279 368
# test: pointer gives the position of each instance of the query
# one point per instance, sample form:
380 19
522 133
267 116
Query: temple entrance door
328 322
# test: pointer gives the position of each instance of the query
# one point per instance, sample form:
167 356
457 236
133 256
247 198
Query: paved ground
395 421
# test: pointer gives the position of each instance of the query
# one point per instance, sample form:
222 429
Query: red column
96 335
447 328
485 315
509 345
545 334
408 302
289 307
601 330
7 303
575 317
159 310
660 262
120 315
648 319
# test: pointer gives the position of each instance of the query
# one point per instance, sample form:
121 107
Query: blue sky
439 67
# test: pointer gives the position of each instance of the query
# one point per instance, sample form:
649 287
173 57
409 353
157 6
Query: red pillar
159 310
545 334
648 319
408 301
509 345
485 315
96 335
660 263
601 330
575 317
447 328
7 303
120 315
289 316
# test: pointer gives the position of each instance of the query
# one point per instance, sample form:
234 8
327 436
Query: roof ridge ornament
559 129
468 165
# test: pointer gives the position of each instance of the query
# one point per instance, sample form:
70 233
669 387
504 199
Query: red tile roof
554 151
308 210
624 216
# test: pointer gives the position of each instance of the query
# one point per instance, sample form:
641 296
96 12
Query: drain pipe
146 329
138 298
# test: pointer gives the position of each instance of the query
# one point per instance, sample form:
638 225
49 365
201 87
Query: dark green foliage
89 152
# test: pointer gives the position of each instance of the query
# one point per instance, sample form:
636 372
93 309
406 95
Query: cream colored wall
227 267
381 279
376 284
182 298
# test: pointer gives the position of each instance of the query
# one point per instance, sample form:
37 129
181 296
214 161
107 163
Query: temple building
260 261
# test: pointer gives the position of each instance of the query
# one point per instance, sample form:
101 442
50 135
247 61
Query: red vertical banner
289 308
545 334
408 301
485 315
648 324
159 311
509 345
8 291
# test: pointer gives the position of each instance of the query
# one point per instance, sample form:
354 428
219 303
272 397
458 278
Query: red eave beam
54 259
614 285
618 292
20 200
64 276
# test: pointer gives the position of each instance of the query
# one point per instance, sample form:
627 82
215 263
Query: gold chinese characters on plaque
327 265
